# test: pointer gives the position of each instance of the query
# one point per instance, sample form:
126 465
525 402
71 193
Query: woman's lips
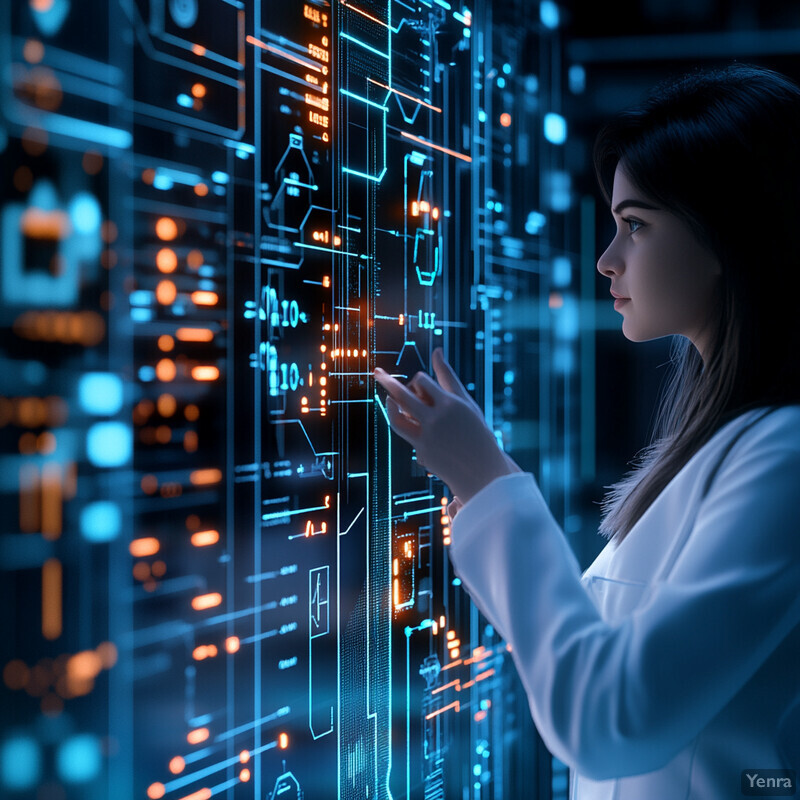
619 302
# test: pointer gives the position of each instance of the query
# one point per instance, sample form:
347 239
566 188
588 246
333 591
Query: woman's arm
615 701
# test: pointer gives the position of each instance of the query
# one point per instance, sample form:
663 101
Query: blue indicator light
101 521
78 758
555 128
162 182
100 393
184 100
20 763
535 222
548 14
456 581
108 444
220 177
84 211
562 271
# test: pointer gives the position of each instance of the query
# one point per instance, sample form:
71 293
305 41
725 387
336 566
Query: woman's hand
447 429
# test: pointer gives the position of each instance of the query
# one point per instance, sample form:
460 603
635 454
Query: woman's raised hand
446 427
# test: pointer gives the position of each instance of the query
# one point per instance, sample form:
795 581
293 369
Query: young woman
671 667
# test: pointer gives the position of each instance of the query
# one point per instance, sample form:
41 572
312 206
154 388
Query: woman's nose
609 263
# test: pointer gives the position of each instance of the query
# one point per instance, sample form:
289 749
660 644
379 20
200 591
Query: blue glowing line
185 780
275 514
363 100
376 178
83 129
324 249
415 499
233 732
293 182
407 514
365 46
248 148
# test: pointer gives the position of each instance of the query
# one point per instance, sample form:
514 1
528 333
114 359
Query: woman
671 667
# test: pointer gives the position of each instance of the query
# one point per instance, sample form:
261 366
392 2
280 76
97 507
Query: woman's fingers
404 425
404 397
447 376
453 507
425 387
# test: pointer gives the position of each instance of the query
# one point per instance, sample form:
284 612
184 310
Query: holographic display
227 577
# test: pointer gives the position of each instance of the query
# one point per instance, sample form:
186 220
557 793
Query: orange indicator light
201 794
205 373
166 260
166 229
205 298
505 120
202 477
176 765
283 741
166 343
244 756
232 646
244 775
205 538
194 334
147 546
204 651
155 791
51 599
203 601
166 292
166 370
197 735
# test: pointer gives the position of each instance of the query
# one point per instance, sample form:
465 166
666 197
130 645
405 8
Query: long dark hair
720 149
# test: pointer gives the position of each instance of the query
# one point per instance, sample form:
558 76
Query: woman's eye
632 222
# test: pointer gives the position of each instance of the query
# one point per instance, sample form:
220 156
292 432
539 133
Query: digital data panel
227 576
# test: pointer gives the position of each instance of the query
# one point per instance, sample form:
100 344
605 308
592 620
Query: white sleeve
612 701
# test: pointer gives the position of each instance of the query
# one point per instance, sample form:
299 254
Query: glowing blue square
555 128
78 759
20 763
108 444
101 521
100 393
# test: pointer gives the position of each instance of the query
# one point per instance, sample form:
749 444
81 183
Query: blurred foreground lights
108 444
20 763
100 393
100 521
555 128
78 759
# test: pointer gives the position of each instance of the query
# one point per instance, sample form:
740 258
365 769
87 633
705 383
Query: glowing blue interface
222 575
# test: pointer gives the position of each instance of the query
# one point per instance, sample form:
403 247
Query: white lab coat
673 663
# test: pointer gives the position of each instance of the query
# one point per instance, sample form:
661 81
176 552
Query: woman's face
668 276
